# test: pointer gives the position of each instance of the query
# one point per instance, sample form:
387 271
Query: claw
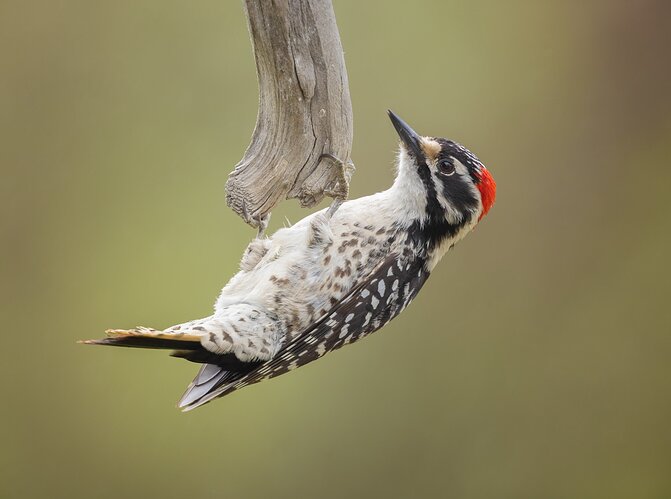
340 192
245 213
261 223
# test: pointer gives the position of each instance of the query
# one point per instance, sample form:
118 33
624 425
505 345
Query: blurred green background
536 363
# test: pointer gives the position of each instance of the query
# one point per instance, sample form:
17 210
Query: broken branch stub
304 108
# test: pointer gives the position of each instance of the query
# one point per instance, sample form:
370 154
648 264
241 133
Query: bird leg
340 192
258 247
261 223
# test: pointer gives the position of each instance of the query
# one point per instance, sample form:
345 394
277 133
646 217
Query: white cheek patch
460 167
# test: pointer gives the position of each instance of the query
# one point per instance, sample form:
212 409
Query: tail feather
141 342
142 337
217 370
146 332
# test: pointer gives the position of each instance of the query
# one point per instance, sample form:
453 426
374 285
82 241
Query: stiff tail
142 337
217 369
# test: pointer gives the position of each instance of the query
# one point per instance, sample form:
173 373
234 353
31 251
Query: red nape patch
487 188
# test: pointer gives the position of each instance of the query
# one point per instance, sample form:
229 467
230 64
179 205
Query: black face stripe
430 234
459 193
433 206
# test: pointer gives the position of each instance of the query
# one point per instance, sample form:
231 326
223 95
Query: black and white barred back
366 308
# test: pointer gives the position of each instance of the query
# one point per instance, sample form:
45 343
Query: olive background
535 362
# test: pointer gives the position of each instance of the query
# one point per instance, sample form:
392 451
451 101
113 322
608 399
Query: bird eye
446 167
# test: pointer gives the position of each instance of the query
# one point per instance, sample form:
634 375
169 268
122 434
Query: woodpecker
332 278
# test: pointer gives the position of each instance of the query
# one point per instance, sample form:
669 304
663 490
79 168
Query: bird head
456 187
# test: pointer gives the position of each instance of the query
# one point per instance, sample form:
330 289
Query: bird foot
340 192
263 225
260 222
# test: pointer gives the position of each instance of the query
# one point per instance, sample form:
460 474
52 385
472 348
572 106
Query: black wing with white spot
365 309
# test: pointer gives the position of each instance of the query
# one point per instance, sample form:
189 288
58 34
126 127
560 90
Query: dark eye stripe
457 191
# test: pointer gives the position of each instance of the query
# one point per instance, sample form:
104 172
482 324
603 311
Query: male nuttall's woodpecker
332 278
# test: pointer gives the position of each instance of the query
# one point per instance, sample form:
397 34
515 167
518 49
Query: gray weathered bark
304 108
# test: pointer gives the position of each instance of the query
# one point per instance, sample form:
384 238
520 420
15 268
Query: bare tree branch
305 109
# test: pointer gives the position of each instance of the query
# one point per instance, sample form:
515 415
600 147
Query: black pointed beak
408 136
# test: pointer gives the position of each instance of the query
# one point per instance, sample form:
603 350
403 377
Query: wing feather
366 308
